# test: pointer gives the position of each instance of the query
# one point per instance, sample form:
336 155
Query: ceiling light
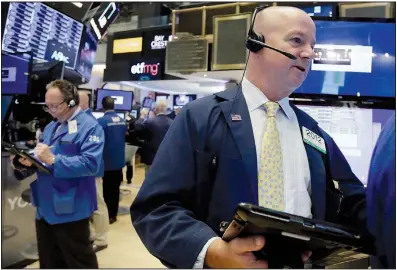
78 4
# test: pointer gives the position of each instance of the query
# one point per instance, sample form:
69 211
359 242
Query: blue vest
115 130
69 192
101 171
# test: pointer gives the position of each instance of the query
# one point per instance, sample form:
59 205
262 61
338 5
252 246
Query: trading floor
125 249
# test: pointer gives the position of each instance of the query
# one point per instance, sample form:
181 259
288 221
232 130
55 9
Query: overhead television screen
14 74
123 99
353 59
105 15
354 130
49 34
87 55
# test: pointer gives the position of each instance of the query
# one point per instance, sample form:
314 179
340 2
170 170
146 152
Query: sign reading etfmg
146 70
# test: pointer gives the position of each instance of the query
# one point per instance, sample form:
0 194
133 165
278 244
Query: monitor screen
5 104
87 55
354 130
319 11
182 100
123 99
101 114
14 74
353 59
47 33
147 102
134 113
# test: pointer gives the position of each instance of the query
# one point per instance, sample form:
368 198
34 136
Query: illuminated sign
127 45
159 43
108 12
146 70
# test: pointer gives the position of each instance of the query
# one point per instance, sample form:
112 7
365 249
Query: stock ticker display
47 33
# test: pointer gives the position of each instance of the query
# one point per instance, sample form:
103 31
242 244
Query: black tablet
27 155
288 236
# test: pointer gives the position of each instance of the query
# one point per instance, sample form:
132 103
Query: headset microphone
290 56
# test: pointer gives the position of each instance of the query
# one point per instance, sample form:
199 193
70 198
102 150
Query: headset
72 102
255 41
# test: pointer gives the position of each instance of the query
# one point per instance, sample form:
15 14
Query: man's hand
236 253
43 152
21 160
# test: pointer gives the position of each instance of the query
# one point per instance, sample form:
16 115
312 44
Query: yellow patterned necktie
270 175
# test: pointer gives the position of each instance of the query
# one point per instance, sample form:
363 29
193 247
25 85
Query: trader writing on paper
246 144
66 198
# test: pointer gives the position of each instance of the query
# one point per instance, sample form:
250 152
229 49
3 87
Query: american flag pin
236 117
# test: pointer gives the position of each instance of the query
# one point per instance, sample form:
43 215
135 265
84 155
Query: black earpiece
72 102
255 41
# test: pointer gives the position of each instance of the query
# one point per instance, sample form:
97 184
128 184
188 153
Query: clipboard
289 236
27 155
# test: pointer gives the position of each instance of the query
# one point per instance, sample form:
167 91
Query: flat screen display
101 114
123 99
14 74
319 11
147 102
354 130
5 104
87 55
47 33
353 59
182 100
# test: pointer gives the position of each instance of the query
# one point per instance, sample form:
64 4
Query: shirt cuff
199 264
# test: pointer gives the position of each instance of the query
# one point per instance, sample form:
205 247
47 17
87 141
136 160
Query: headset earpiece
72 102
252 46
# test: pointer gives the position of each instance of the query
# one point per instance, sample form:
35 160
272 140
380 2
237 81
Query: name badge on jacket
72 126
313 140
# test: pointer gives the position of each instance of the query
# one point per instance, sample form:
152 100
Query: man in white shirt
246 144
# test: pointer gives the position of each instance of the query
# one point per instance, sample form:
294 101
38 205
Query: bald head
275 18
288 29
84 100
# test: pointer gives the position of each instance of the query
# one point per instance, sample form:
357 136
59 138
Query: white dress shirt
296 172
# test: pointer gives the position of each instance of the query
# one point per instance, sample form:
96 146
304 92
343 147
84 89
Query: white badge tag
72 126
313 139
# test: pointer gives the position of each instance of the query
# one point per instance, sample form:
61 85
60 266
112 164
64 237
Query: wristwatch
53 160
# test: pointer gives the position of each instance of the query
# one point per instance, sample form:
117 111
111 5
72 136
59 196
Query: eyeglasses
53 107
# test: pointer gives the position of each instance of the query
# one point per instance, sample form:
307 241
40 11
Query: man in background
115 130
381 198
152 131
100 220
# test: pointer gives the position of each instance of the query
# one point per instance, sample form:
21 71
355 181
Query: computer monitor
123 99
354 130
182 100
353 59
14 74
320 10
101 114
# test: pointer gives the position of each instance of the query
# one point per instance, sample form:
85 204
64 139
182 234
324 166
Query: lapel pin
236 117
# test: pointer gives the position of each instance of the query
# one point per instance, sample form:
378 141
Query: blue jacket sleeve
88 162
381 196
162 212
353 206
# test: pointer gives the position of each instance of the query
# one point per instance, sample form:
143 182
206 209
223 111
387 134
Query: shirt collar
256 99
